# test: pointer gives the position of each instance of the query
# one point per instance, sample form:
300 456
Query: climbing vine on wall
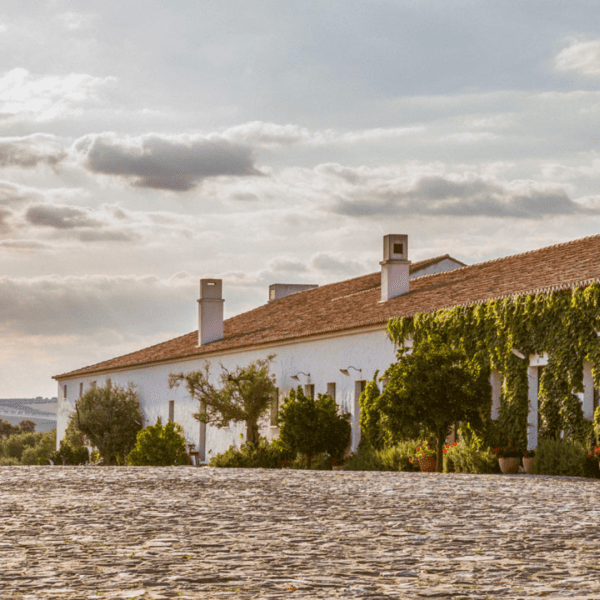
561 323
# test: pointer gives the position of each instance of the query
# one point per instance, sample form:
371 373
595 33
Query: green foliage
6 428
561 323
159 446
560 457
371 426
309 426
245 395
262 455
434 386
27 448
596 425
26 426
67 454
109 418
465 457
392 458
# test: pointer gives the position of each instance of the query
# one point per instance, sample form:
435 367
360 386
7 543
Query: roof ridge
511 256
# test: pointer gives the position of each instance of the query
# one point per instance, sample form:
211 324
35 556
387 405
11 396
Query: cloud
24 96
60 217
30 151
5 213
454 196
96 305
13 194
581 56
271 135
176 163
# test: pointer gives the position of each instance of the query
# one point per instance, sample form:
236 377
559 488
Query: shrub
159 446
42 451
15 445
393 458
68 454
9 462
311 426
262 455
560 457
464 457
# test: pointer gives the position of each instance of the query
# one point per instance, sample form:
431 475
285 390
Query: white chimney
281 290
395 267
210 311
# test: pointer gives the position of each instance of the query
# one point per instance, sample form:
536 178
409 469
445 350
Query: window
171 410
109 384
331 390
309 390
275 408
81 389
65 392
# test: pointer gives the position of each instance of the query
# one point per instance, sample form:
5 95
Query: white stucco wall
368 350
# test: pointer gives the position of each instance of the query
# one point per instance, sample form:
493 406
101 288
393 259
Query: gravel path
185 532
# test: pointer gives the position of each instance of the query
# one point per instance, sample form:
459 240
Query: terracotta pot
510 466
427 464
529 465
338 467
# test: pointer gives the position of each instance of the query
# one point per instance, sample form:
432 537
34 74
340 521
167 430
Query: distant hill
42 411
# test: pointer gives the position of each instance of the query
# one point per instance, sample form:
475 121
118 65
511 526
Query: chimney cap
395 247
211 289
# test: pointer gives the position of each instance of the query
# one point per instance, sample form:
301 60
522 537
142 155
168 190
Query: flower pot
529 465
427 464
509 466
337 467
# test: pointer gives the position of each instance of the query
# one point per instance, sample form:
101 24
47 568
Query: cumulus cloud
60 217
176 163
443 195
30 151
14 194
23 95
581 56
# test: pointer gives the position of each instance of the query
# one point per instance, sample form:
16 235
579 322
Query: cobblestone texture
184 532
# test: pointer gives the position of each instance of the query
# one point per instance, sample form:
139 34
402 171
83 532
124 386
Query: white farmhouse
330 338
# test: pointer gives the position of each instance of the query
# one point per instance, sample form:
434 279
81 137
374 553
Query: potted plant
596 453
425 456
529 461
509 458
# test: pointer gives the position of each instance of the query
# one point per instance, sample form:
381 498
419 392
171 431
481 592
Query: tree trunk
439 466
252 433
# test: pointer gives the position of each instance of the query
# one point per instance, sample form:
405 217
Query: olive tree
243 396
109 418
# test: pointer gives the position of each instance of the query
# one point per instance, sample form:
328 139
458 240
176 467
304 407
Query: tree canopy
244 396
434 386
109 418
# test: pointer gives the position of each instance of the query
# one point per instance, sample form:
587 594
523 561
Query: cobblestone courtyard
184 532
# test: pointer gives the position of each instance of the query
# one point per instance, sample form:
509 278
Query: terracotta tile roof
355 303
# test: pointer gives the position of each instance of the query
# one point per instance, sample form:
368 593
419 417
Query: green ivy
561 323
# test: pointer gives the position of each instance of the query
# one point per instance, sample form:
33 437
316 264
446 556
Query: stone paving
185 532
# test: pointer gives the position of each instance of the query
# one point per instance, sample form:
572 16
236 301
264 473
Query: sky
147 144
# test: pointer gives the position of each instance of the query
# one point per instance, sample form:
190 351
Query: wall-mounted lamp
345 371
299 373
517 353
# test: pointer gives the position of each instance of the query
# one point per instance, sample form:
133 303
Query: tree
245 395
308 426
26 426
434 386
159 446
109 418
7 428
